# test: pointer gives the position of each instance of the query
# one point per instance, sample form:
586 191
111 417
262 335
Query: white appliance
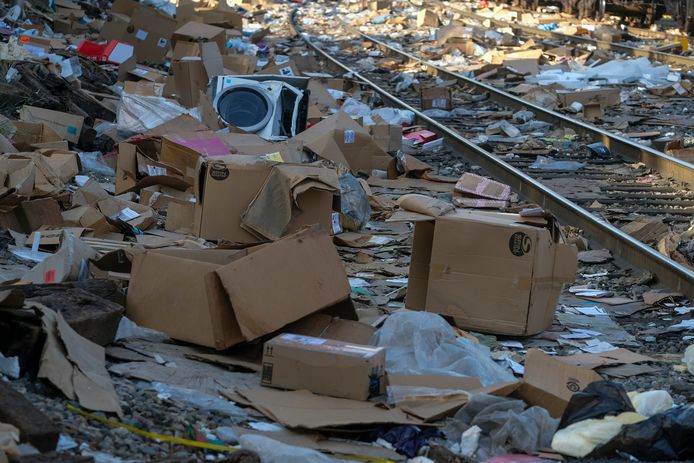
273 107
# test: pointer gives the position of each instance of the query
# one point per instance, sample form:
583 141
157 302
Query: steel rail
666 165
663 57
670 273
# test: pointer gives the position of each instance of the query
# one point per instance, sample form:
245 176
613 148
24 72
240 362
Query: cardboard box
427 18
387 137
237 198
115 27
323 366
68 126
183 150
489 271
550 382
342 140
219 298
199 32
436 98
603 96
151 34
30 135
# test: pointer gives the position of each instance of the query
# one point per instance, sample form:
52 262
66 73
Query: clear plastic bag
424 343
200 400
354 203
138 113
355 108
272 451
545 163
394 116
506 426
92 161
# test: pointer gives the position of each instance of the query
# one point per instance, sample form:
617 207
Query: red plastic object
421 136
112 52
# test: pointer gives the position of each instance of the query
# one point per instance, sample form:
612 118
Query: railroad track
603 181
655 55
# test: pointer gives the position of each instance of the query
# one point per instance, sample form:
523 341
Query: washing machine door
246 106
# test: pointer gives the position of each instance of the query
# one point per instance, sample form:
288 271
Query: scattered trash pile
214 250
637 98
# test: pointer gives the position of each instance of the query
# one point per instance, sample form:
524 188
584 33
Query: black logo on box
267 373
219 171
520 244
573 385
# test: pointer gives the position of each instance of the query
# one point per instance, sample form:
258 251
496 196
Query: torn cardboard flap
292 196
322 282
302 409
75 365
549 382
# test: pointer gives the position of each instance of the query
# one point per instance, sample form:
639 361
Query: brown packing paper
424 205
292 196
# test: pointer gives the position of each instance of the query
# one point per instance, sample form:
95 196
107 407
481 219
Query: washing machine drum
247 107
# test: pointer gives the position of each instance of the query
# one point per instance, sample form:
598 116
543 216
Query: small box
436 98
324 366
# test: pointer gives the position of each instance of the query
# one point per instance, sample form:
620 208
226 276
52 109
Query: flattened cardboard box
489 271
65 125
323 366
219 298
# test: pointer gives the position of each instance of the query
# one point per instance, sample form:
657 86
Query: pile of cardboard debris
192 202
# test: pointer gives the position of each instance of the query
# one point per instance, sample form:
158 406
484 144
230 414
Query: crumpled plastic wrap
651 403
424 343
354 203
138 113
545 163
273 451
506 425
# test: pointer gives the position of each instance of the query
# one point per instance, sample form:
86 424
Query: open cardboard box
495 272
219 297
238 198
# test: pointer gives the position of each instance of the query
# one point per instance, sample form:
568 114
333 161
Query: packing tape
194 443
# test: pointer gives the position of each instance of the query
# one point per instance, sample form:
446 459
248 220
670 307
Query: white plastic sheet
138 113
424 343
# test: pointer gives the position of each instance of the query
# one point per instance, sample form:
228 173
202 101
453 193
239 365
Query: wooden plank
34 427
